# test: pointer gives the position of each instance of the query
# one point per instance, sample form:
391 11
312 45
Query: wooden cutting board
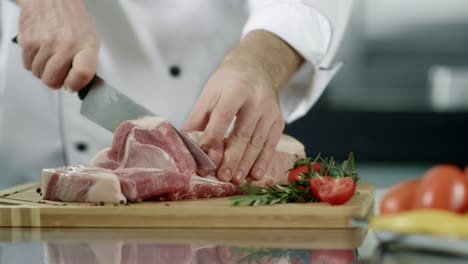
21 206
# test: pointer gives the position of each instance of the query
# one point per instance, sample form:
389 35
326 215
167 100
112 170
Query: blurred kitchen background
400 102
402 95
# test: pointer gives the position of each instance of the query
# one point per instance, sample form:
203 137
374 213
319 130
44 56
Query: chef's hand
245 86
59 42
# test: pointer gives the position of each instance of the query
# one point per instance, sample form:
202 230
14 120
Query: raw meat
205 187
142 183
148 159
287 151
81 184
149 142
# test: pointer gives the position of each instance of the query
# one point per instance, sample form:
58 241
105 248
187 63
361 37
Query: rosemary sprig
298 192
276 194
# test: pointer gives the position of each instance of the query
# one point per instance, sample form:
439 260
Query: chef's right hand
59 43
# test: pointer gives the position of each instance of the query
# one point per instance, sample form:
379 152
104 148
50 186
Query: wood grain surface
21 206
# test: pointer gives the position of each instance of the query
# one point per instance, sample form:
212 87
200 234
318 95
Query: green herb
298 192
276 194
274 255
293 255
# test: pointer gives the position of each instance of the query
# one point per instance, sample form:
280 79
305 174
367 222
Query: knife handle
81 93
85 90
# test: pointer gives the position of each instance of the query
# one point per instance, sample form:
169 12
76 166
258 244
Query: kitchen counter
87 245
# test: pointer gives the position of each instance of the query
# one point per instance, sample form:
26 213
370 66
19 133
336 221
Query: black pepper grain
38 190
101 203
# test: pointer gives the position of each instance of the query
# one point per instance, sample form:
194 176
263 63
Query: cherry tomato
334 191
399 198
466 181
442 187
336 256
296 173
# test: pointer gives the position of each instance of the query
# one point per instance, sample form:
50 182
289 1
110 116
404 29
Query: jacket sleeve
314 28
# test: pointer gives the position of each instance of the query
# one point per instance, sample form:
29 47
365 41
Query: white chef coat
161 53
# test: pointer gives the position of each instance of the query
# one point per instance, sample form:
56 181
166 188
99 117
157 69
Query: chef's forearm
267 56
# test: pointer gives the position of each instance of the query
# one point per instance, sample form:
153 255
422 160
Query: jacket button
174 71
81 146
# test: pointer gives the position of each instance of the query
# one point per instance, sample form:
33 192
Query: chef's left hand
245 87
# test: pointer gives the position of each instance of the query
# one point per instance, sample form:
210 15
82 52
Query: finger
200 115
84 67
263 161
236 144
40 60
221 117
254 147
57 69
29 49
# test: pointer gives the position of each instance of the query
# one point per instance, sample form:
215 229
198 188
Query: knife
108 107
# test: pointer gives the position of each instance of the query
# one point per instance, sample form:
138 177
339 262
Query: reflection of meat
120 253
148 159
143 253
151 253
89 253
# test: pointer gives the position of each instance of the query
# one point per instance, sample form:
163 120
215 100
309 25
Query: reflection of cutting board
260 238
21 206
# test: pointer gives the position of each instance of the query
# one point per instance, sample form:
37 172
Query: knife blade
108 107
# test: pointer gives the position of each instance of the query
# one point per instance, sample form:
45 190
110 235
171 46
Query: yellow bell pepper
424 221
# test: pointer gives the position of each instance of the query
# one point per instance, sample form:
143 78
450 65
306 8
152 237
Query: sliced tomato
297 173
399 198
334 191
332 256
442 187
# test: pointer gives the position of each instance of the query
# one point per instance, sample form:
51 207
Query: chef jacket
160 53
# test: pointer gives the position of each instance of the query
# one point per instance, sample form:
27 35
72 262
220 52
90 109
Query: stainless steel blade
108 107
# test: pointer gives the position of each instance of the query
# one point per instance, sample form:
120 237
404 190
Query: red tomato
296 173
399 198
333 191
442 187
335 256
466 182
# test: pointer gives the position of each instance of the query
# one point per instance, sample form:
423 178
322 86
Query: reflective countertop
135 246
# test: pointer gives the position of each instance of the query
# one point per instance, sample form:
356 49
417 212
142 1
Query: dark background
383 104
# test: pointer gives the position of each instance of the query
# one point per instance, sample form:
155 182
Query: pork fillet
148 159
